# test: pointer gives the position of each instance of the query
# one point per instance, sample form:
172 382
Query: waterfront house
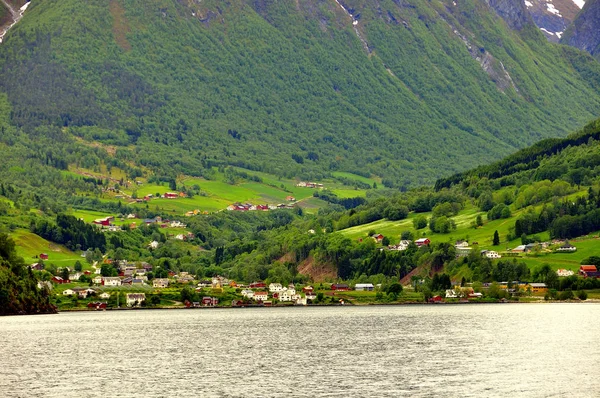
285 295
135 299
538 287
307 289
311 296
364 287
260 296
210 301
247 293
104 296
275 287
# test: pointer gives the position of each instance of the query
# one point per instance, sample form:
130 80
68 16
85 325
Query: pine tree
496 241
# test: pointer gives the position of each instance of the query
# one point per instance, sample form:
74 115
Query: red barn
588 271
422 242
340 287
258 285
171 195
44 256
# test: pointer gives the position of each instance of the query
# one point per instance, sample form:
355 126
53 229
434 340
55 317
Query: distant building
566 247
364 287
422 242
135 299
564 272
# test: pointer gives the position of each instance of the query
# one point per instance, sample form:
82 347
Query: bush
582 295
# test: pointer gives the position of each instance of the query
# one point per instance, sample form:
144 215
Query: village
135 287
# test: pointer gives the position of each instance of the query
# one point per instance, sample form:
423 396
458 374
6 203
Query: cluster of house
305 184
107 223
195 213
404 244
563 247
278 292
166 195
251 207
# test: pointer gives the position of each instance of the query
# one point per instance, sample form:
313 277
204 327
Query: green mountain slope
408 91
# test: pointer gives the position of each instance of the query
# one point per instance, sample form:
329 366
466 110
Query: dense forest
297 91
19 293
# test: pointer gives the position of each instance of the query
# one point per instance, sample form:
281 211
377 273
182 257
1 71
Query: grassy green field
29 246
483 236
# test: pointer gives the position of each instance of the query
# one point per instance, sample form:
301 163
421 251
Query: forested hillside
408 91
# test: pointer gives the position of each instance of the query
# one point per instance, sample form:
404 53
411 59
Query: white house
248 293
153 244
68 292
111 281
160 282
311 296
104 295
97 280
275 287
567 247
492 254
75 276
364 286
261 296
564 272
135 299
284 295
291 290
403 245
451 294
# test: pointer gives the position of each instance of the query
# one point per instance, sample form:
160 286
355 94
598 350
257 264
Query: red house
435 299
307 289
210 301
378 237
589 271
59 281
422 242
258 285
43 256
340 287
171 195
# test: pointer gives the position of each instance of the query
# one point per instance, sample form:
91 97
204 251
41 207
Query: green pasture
29 246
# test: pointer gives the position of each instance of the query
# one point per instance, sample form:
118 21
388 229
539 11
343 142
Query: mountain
554 16
584 32
405 90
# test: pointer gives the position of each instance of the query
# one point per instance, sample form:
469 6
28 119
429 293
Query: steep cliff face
584 32
513 12
553 16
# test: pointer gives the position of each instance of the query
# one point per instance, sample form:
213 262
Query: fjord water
529 350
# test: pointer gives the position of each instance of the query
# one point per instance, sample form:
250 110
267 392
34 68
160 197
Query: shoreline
591 301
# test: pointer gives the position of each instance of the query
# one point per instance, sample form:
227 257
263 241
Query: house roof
588 268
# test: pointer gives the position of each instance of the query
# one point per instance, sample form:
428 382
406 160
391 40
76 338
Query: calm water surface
524 350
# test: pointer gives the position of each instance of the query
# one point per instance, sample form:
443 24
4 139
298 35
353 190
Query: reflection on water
532 350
